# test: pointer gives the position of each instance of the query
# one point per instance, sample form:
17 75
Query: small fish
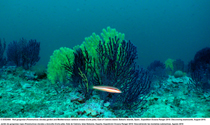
107 89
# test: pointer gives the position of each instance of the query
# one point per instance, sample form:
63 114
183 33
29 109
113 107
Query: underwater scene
105 59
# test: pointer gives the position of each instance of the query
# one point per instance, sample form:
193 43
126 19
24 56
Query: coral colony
100 78
23 53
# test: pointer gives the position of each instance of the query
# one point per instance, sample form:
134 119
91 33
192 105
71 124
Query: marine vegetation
79 73
111 62
2 49
158 69
122 73
179 65
199 70
101 79
23 53
55 71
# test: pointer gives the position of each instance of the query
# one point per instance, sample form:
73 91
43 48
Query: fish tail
90 86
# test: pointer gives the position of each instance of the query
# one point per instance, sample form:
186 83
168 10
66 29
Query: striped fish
107 89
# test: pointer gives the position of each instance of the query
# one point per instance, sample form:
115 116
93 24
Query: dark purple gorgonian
23 53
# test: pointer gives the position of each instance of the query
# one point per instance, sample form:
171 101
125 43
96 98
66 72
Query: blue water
160 29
